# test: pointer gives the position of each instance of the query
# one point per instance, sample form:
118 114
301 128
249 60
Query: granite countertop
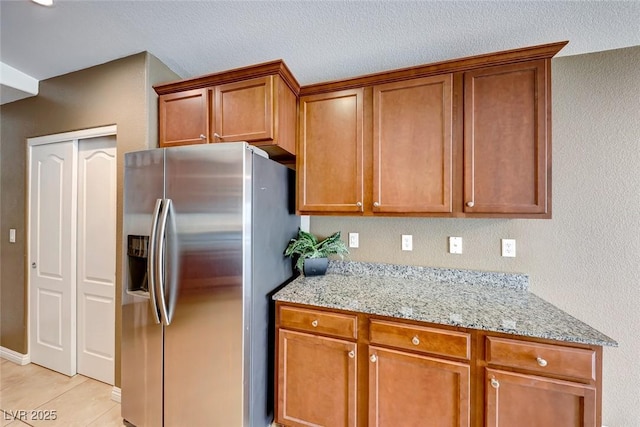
499 302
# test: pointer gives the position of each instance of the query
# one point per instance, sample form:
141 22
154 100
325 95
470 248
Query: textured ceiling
319 40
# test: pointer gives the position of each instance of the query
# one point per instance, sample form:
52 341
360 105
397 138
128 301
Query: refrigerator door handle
151 261
160 267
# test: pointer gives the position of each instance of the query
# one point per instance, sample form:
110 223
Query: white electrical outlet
509 248
455 245
407 242
354 240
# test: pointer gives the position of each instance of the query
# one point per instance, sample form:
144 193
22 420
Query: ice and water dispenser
137 250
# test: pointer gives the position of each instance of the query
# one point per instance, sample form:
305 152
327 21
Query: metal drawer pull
495 383
376 204
373 358
203 137
470 204
314 323
358 204
352 354
541 362
415 340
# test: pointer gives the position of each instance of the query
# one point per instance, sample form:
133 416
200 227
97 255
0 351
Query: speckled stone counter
498 302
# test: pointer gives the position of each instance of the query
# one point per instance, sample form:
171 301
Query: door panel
412 145
532 401
407 389
506 152
317 380
183 117
142 338
204 341
52 255
330 152
244 111
96 257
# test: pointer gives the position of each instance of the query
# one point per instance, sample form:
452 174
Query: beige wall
586 260
117 92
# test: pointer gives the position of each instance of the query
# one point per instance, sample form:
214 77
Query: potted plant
312 254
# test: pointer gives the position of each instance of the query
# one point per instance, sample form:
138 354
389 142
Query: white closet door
52 256
97 257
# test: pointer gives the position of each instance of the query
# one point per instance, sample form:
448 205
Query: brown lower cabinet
514 399
317 381
408 389
339 368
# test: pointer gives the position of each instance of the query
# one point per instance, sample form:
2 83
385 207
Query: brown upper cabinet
330 152
464 138
507 157
256 104
184 118
408 160
413 146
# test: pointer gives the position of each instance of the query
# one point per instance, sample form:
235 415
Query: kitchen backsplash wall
586 260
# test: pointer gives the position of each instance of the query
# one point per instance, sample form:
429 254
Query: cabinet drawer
542 358
420 338
339 325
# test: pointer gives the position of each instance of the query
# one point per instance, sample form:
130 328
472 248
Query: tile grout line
102 414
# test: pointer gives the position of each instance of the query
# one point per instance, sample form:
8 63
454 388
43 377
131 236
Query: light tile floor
77 401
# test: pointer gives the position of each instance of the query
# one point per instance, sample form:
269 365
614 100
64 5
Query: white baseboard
116 394
14 356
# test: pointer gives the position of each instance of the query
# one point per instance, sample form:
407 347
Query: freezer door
141 346
203 342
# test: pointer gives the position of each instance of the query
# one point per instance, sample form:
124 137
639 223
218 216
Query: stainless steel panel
273 223
203 343
141 350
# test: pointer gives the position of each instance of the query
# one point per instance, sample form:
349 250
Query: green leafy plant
306 245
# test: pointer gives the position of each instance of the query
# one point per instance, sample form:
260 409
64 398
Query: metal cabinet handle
470 204
358 204
352 354
217 135
373 358
415 340
203 137
376 204
541 361
314 323
495 383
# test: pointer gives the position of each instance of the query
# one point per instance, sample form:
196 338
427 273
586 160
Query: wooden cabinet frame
257 104
475 367
510 194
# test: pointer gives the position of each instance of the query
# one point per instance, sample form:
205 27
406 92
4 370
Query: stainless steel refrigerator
205 227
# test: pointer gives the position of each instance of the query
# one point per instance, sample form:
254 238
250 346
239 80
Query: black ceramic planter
315 266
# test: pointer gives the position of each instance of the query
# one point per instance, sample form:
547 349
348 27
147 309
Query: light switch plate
12 235
354 240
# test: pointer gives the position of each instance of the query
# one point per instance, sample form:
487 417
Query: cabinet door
412 145
329 163
411 390
316 380
530 401
506 147
243 111
183 117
